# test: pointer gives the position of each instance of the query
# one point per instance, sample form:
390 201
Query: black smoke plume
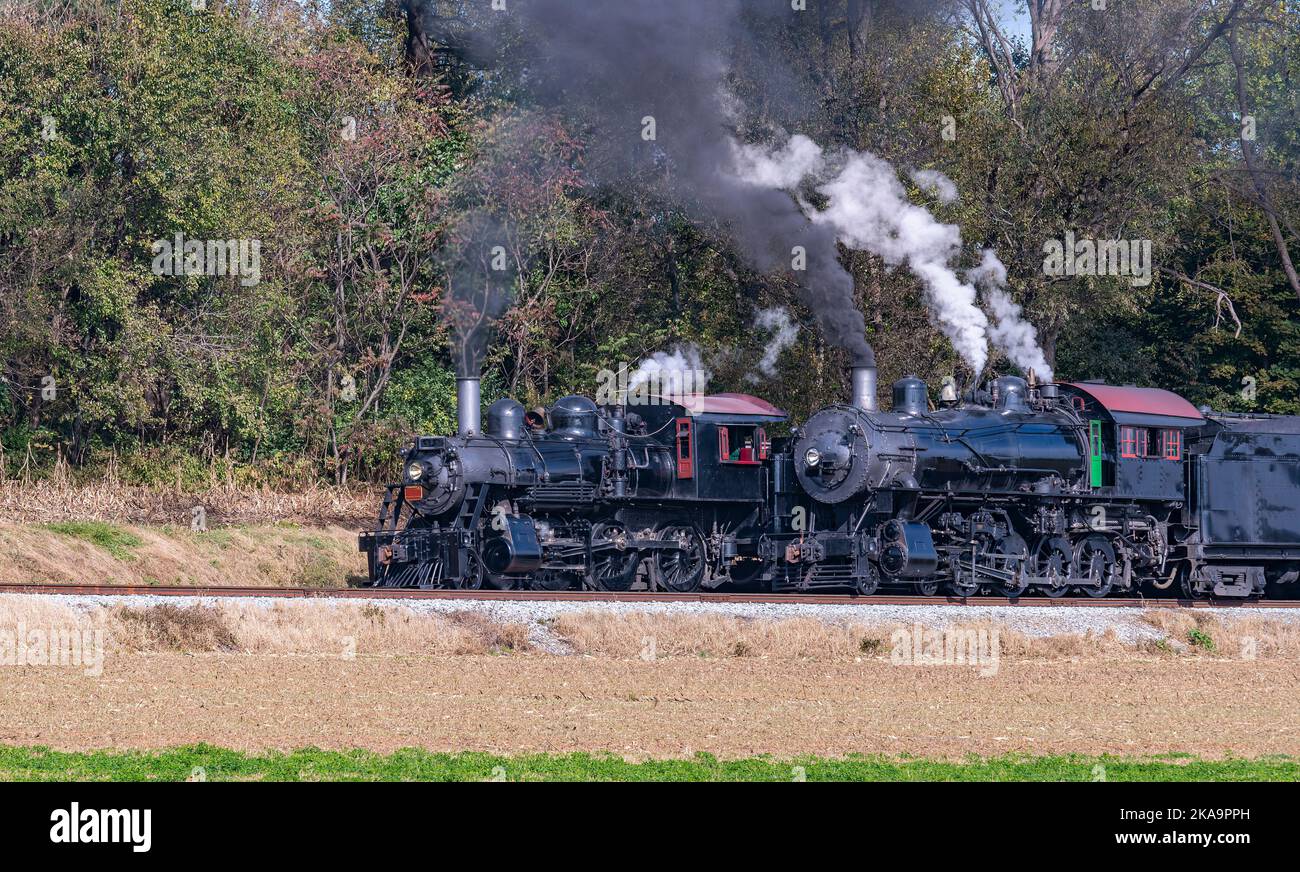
480 287
617 65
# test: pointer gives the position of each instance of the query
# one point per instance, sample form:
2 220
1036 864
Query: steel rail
579 596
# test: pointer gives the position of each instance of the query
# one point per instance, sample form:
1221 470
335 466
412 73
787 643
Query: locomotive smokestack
467 406
863 376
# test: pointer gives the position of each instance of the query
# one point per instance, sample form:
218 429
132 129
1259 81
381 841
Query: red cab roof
1140 401
727 404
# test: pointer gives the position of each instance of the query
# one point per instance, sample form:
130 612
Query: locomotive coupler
807 551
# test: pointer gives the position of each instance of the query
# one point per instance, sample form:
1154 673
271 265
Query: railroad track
630 596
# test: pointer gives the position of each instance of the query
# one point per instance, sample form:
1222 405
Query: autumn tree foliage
378 149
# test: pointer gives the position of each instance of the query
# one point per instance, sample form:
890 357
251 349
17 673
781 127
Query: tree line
351 141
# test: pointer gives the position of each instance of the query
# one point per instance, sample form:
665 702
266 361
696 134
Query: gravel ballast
1033 621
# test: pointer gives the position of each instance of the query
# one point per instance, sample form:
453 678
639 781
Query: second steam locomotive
1014 488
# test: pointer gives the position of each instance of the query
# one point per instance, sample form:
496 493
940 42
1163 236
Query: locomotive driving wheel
963 587
1011 556
474 572
612 567
680 569
866 585
1095 559
927 588
1052 558
963 582
987 557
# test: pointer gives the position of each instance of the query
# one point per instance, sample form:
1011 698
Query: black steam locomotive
1016 487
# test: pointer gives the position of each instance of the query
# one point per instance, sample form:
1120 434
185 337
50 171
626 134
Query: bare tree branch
1195 54
1248 156
1222 302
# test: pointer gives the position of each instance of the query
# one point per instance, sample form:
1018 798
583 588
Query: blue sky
1015 19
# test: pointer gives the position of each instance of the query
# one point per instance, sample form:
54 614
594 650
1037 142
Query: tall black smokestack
863 376
468 409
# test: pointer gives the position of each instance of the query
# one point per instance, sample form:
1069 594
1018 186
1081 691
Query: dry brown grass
344 628
47 501
366 629
280 555
300 628
172 628
637 634
1248 636
492 635
645 634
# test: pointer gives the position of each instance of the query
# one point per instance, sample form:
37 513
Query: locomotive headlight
414 471
812 457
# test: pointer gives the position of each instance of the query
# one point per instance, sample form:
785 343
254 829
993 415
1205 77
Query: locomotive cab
720 444
1136 438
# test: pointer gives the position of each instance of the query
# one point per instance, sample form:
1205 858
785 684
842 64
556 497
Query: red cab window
1133 442
740 443
1127 442
1171 444
685 460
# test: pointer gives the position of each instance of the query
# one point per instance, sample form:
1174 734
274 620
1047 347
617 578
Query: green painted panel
1094 443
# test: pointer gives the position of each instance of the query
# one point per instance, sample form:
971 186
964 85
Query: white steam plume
783 167
936 183
678 373
784 332
1009 331
867 207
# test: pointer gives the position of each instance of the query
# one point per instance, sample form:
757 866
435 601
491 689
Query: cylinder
515 550
864 387
467 406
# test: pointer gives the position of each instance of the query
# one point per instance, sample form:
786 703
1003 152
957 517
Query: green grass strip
310 764
114 540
